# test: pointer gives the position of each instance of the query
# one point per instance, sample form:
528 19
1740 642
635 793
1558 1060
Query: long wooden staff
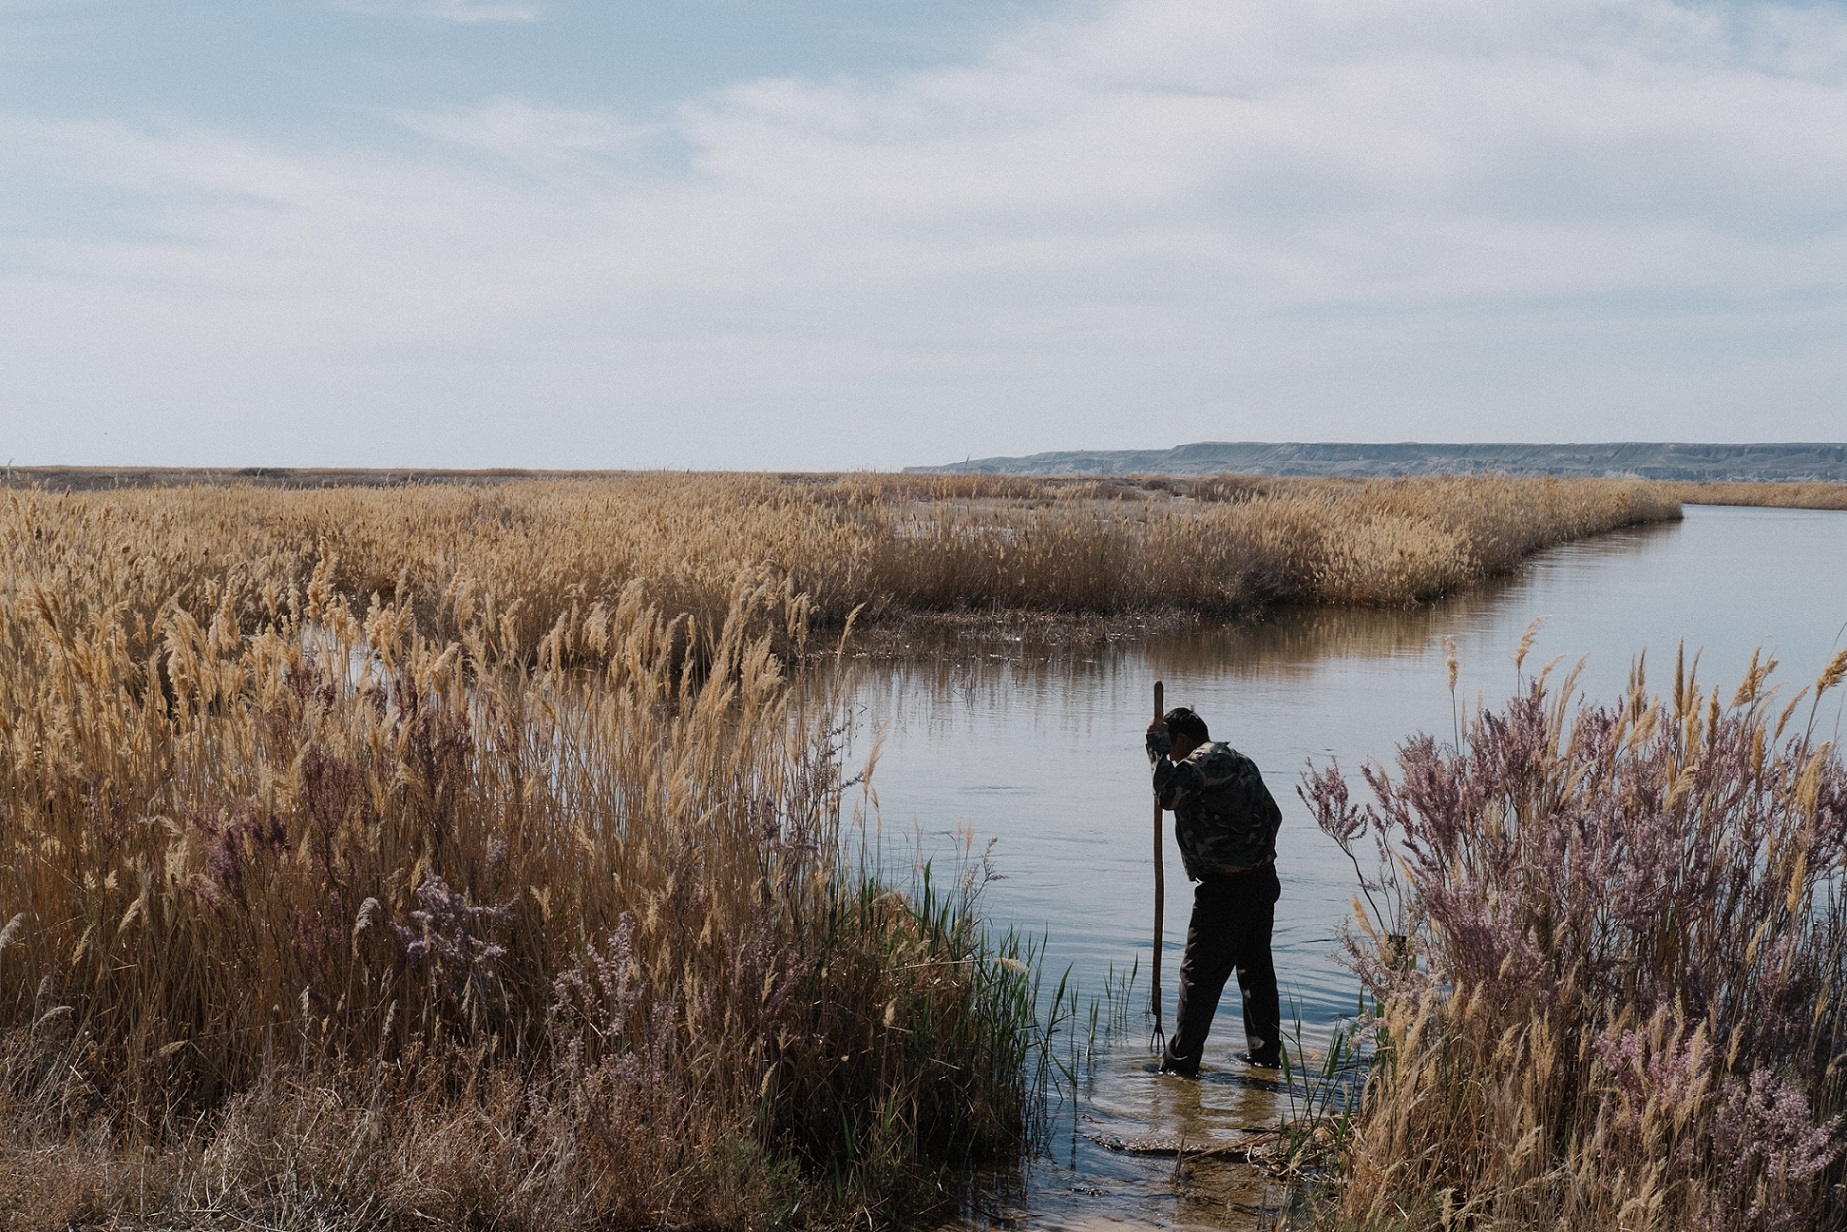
1159 1038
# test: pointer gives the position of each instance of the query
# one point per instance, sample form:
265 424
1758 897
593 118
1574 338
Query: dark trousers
1230 930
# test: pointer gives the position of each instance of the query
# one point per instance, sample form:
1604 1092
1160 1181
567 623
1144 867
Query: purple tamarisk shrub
445 937
616 1049
1765 1132
597 998
1659 1072
234 842
1664 881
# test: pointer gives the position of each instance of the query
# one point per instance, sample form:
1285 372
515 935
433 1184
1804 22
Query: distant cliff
1684 462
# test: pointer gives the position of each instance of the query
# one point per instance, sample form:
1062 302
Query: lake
1031 751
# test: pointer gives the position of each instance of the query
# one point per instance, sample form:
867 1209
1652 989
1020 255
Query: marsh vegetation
474 854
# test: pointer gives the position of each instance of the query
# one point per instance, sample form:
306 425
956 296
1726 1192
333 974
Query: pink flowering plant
1605 949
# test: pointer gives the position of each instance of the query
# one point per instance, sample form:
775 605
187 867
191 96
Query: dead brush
1610 969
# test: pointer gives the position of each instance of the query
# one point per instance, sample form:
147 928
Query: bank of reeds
1792 495
525 556
1609 949
317 918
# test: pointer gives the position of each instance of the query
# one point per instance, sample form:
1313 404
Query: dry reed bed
324 921
523 556
1769 495
1609 947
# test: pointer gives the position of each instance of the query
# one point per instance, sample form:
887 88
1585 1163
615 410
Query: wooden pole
1160 893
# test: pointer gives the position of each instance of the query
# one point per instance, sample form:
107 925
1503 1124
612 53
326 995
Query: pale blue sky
830 235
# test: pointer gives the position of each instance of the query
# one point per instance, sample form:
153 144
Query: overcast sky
822 234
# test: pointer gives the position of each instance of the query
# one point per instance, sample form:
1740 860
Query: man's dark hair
1184 722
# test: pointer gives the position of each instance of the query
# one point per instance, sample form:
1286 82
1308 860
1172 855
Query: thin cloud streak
1174 219
525 132
466 12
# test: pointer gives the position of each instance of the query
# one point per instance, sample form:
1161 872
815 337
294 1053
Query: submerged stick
1159 1038
1260 1145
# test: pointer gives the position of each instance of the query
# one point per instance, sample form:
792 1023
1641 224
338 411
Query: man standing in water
1225 821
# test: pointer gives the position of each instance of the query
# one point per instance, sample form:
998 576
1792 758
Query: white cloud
464 11
1173 219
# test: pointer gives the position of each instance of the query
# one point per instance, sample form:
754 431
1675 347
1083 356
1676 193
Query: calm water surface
1037 751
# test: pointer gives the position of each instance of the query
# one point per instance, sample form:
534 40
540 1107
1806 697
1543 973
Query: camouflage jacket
1224 817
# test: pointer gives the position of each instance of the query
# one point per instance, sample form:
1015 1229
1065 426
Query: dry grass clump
529 559
1610 953
316 917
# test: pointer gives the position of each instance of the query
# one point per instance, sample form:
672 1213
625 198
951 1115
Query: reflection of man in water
1226 823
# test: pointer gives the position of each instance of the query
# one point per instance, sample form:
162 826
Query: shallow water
1037 750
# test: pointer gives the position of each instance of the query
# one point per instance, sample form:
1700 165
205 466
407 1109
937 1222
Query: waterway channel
1030 750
